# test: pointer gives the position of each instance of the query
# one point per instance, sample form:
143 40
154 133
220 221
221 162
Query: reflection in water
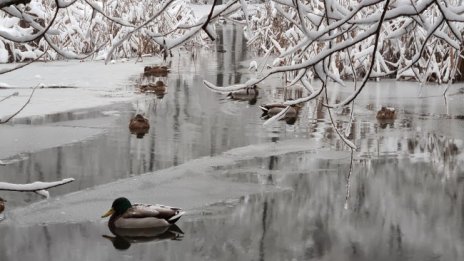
123 238
399 210
158 88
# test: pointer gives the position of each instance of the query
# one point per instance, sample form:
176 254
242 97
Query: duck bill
109 213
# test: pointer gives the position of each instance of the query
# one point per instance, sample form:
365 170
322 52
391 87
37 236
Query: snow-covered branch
6 3
109 29
379 34
35 186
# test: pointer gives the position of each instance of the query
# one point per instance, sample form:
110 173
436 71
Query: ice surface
96 84
26 138
190 186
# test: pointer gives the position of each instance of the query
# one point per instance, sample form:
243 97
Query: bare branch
9 96
22 65
205 25
24 106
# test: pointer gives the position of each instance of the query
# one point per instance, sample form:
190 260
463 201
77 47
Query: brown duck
386 113
272 109
2 205
157 70
139 125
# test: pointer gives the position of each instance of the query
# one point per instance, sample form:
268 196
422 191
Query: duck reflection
124 237
159 88
248 94
139 126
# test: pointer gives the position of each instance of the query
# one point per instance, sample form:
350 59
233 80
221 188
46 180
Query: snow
35 186
96 84
200 10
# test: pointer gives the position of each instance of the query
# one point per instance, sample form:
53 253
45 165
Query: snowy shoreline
87 85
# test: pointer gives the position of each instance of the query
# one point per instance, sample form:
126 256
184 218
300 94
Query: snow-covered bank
94 84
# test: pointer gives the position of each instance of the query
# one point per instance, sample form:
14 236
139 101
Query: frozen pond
251 192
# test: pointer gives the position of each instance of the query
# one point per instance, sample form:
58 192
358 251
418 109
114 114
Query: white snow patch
35 186
96 84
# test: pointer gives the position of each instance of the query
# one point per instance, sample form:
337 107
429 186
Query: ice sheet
93 84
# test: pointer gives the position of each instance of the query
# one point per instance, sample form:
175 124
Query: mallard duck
139 125
273 109
157 70
2 205
125 215
386 113
248 94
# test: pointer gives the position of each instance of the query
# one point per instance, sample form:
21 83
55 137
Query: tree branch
205 25
6 3
22 65
24 106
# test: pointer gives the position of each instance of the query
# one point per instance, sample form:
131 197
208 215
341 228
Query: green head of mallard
119 207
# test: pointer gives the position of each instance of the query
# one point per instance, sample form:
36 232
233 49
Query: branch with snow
6 3
78 29
35 186
371 38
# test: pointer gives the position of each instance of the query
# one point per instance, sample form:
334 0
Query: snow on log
35 186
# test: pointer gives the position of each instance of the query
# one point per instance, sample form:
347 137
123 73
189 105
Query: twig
344 139
9 96
23 65
371 67
347 179
355 80
24 106
208 20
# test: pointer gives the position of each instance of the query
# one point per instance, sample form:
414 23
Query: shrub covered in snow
350 39
103 29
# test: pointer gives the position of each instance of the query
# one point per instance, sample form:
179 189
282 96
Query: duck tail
176 217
